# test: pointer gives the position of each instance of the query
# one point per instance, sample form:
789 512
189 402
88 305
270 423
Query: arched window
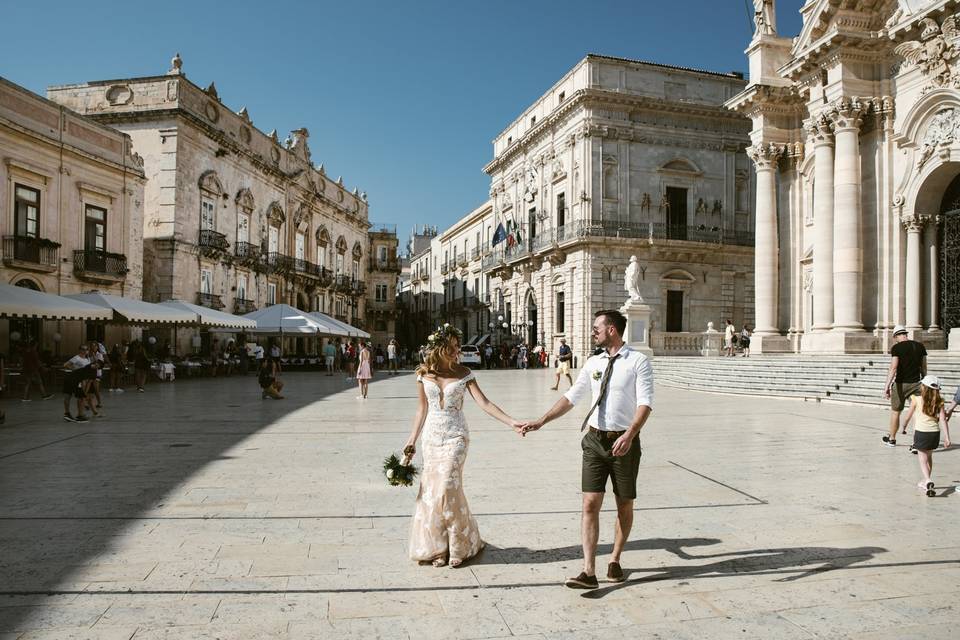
211 190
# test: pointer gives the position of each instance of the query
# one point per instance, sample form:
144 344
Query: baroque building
383 274
72 203
858 174
235 218
619 158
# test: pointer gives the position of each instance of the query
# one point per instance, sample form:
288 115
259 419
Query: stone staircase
855 378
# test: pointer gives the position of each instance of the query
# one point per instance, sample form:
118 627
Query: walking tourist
908 364
117 367
928 408
488 355
392 357
379 356
32 371
141 365
97 360
73 384
329 356
349 353
444 530
363 370
745 340
564 357
522 356
268 378
611 445
728 333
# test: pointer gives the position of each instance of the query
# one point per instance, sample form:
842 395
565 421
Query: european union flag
499 235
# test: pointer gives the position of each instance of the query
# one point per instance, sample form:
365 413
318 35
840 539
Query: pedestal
638 326
770 344
953 342
839 342
712 343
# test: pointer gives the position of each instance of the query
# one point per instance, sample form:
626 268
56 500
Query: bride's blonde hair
441 354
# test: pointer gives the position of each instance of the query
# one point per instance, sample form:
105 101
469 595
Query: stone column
766 273
933 273
914 226
847 224
821 133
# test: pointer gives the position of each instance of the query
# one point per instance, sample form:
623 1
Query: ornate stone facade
71 213
235 218
855 224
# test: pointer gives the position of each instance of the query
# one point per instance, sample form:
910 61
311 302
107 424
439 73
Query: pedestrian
329 355
611 446
928 408
908 365
268 377
32 371
379 356
73 380
564 357
488 355
537 351
275 352
950 408
392 357
117 366
97 360
141 365
259 355
522 356
745 340
349 359
728 333
363 370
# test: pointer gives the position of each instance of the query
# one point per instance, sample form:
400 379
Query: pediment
823 17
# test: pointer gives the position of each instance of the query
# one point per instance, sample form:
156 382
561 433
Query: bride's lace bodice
449 398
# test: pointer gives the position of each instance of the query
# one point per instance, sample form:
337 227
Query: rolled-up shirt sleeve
644 384
580 387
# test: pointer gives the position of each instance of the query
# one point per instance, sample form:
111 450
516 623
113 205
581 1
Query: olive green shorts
599 464
900 392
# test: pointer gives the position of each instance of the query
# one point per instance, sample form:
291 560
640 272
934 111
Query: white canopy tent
131 311
208 317
21 302
344 329
282 319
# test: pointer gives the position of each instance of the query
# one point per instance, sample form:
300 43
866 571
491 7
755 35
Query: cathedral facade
856 145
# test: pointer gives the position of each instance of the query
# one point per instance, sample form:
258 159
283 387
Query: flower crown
442 333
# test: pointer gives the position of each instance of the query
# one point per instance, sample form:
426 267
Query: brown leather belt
609 435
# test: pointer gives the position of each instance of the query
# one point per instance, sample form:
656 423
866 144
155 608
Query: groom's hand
622 445
532 425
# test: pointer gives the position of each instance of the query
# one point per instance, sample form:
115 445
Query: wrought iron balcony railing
390 264
35 251
241 305
210 300
91 262
211 239
246 250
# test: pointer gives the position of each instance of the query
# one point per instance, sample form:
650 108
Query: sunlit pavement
199 510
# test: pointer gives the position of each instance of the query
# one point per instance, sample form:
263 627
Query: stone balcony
210 300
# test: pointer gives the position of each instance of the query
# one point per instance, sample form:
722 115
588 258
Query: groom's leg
590 530
624 524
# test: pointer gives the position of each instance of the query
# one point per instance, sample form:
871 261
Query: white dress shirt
631 385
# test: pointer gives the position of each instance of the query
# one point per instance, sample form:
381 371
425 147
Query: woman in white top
931 418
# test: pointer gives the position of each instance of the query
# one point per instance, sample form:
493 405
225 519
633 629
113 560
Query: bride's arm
418 421
490 408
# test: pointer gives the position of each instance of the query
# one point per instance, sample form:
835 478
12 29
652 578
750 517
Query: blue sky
401 98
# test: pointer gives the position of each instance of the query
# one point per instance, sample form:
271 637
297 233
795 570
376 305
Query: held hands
530 425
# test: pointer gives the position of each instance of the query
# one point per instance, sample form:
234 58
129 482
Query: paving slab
198 510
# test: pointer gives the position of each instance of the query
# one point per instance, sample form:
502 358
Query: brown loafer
614 572
582 581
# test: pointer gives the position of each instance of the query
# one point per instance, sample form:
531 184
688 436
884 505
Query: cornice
766 98
604 98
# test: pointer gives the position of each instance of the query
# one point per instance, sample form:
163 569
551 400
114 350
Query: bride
443 528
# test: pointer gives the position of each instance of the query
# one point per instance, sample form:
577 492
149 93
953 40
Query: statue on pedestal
632 280
765 18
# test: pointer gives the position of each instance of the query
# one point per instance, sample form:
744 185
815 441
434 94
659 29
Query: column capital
765 155
819 130
847 113
914 222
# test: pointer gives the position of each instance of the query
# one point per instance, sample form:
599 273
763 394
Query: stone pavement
198 510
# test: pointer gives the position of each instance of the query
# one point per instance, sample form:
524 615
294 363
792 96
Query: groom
621 381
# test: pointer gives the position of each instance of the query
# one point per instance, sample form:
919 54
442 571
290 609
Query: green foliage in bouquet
397 473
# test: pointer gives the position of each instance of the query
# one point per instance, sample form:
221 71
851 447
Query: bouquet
400 473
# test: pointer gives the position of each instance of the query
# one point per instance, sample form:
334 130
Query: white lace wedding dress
442 523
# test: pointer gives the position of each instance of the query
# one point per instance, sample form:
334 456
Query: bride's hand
518 426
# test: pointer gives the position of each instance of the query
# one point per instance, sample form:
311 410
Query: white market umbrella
132 311
21 302
280 319
208 317
334 328
351 330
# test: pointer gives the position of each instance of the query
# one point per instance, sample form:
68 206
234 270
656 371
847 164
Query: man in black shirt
907 366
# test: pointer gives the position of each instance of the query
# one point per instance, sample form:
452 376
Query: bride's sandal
439 562
454 563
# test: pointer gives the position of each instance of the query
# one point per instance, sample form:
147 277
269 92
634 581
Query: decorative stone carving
275 213
645 203
819 129
943 129
301 216
631 281
701 206
808 280
176 66
764 18
357 250
664 204
914 222
210 182
765 156
244 115
717 207
298 144
935 50
558 172
211 111
847 113
530 184
119 94
211 91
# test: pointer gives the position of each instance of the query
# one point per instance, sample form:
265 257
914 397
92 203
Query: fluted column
914 226
933 273
820 131
847 224
766 252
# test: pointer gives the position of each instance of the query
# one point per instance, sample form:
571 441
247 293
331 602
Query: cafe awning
208 317
22 302
132 311
280 319
343 327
